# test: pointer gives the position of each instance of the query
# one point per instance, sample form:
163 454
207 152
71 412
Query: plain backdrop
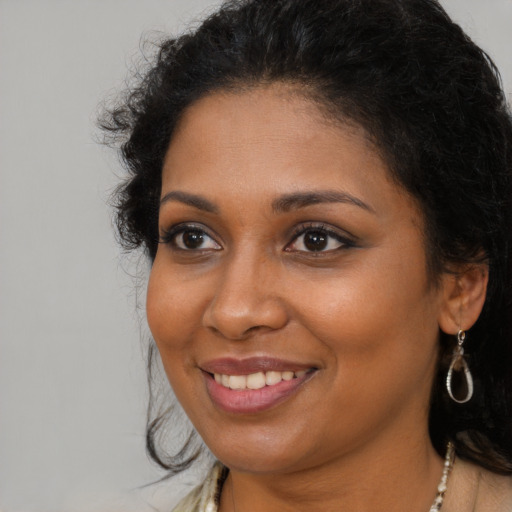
72 375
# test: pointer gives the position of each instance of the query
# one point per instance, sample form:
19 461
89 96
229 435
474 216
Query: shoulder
495 492
472 488
205 497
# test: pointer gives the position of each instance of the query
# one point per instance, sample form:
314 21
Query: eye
189 238
318 239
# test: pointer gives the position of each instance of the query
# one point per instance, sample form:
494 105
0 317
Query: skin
361 312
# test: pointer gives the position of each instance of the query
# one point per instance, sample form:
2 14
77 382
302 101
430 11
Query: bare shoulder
474 489
495 492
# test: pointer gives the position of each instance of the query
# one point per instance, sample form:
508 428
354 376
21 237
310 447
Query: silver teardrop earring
458 364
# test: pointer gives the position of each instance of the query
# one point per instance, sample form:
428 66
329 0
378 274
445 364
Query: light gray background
72 378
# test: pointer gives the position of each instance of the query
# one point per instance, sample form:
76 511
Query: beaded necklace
443 484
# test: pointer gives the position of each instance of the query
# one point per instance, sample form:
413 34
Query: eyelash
345 241
170 236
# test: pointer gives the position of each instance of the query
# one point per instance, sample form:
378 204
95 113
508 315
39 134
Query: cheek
159 308
381 333
171 309
373 308
170 319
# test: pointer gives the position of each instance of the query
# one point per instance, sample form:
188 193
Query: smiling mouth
255 392
257 380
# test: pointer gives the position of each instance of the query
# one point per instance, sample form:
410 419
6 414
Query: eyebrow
282 204
193 200
298 200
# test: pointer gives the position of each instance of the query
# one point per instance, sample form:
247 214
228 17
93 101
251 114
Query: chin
263 453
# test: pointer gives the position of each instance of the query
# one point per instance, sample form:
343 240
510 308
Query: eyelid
343 237
168 235
346 240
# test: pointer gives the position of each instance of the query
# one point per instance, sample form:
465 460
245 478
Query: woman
324 192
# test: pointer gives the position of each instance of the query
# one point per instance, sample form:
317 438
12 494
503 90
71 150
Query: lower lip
252 400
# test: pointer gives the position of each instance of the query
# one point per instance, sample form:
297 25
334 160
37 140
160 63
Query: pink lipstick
255 384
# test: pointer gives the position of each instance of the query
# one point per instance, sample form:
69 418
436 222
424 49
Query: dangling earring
458 363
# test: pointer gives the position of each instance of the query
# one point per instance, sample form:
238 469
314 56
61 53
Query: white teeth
237 381
272 378
256 380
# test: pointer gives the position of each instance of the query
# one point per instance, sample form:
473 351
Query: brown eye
190 239
195 239
315 241
318 240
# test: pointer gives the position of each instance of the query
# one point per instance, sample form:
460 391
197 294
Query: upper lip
233 366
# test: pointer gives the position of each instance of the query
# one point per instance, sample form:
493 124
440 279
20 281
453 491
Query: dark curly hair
432 103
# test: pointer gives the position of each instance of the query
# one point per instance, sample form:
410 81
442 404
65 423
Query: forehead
268 141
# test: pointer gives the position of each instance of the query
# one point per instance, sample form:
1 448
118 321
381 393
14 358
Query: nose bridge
246 297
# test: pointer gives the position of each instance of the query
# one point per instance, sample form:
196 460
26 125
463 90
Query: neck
404 477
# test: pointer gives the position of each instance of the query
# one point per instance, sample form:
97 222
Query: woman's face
292 269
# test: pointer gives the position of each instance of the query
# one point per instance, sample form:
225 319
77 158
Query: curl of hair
431 101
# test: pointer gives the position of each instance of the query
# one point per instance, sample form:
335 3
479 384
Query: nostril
254 329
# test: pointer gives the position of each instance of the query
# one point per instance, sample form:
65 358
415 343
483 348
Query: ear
463 297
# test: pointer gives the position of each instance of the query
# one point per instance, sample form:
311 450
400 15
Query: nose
247 299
